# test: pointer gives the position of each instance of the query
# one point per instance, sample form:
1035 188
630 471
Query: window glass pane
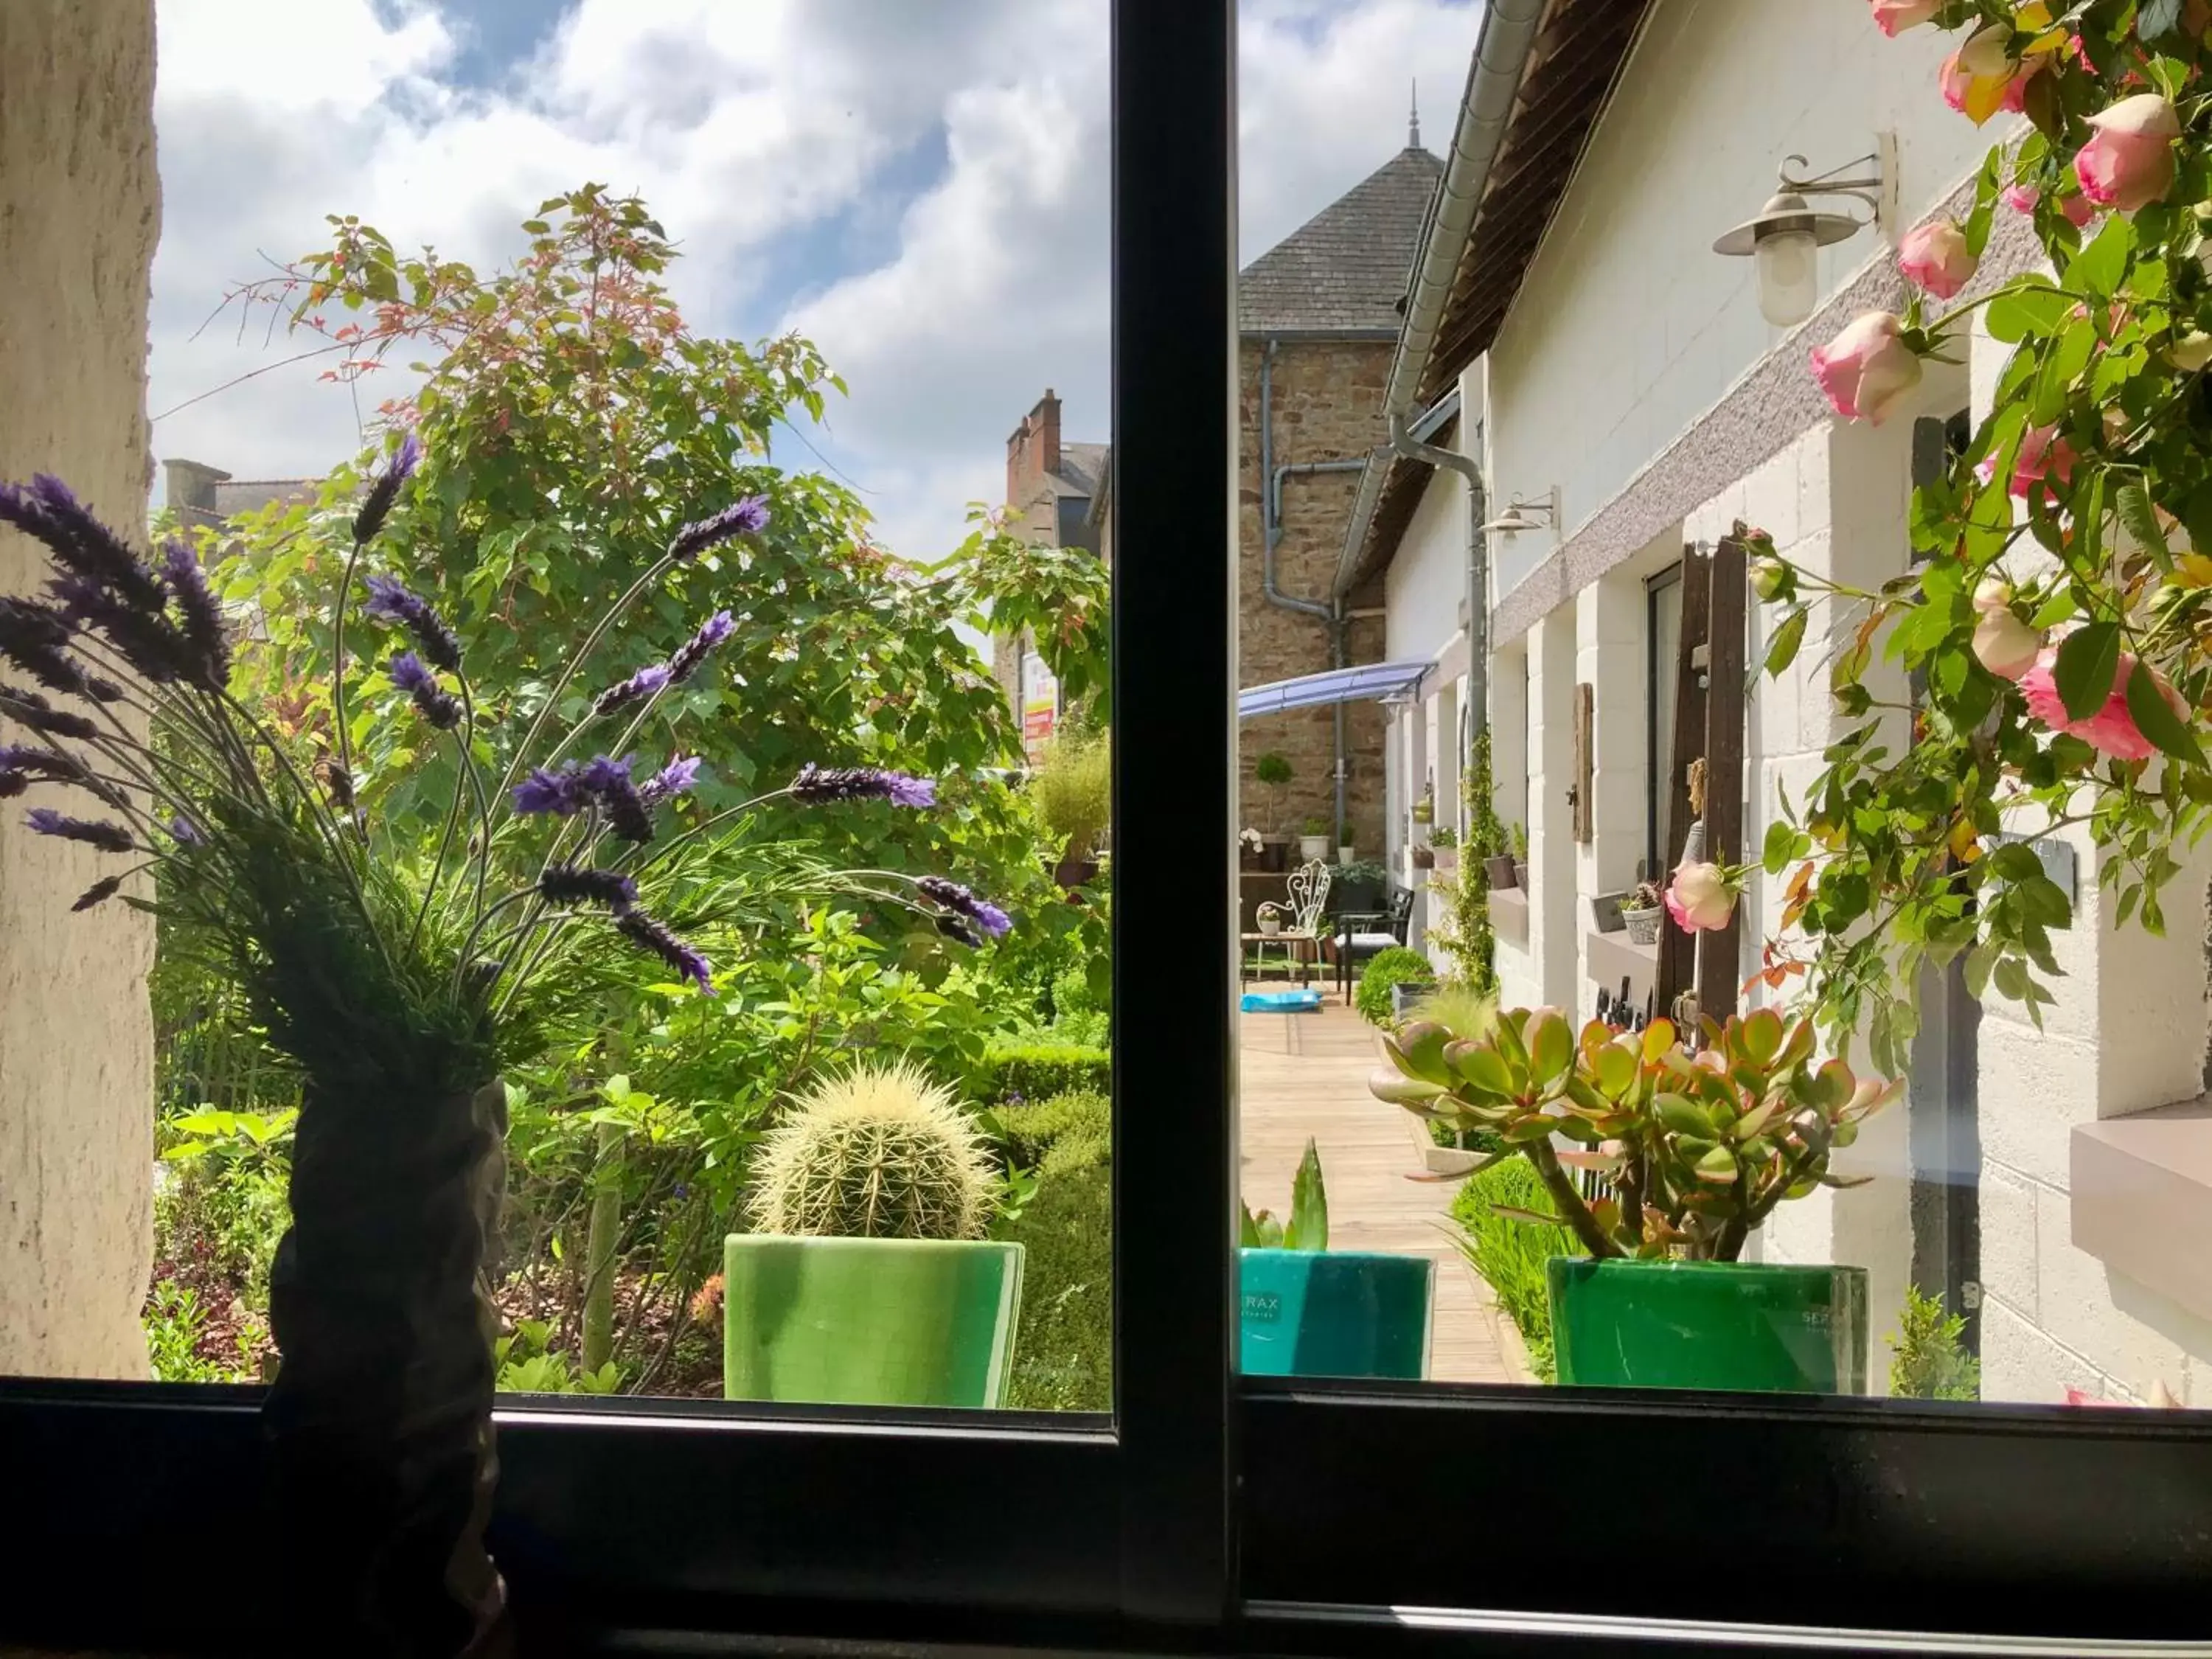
711 774
1976 1213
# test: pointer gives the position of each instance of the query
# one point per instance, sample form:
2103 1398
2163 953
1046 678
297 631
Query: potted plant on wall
1642 911
1443 846
1073 793
1521 856
869 1281
1695 1151
1251 849
1305 1310
1313 842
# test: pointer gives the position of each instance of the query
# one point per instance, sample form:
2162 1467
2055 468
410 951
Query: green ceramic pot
1334 1313
869 1321
1709 1325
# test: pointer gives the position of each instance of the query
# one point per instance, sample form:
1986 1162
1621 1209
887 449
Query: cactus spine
880 1151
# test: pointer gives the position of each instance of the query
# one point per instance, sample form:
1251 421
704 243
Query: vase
1764 1325
378 1426
1643 925
870 1321
1333 1313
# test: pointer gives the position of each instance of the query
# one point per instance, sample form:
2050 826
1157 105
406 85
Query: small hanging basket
1643 926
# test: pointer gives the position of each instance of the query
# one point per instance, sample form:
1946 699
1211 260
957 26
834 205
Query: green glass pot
1746 1325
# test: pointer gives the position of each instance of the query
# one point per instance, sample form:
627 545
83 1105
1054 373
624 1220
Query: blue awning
1374 682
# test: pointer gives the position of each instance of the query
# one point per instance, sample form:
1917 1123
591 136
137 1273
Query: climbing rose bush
2058 622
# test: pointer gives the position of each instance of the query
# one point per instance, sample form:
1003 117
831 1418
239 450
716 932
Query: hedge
1395 966
1064 1352
1038 1070
1511 1254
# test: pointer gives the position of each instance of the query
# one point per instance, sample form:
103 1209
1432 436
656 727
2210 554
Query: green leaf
1782 649
2140 520
1308 1227
2156 720
2100 267
2089 662
2035 308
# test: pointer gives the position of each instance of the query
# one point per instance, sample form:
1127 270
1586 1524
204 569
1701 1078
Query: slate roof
1080 465
1348 267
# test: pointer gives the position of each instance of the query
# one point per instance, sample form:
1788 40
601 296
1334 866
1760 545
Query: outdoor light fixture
1520 515
1788 232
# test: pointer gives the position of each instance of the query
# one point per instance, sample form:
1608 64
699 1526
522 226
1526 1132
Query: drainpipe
1330 613
1402 442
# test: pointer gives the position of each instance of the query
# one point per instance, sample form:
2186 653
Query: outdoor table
1256 946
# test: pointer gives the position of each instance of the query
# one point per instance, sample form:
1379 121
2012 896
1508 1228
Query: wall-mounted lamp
1520 515
1784 236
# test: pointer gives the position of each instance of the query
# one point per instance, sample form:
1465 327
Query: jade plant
1696 1150
879 1152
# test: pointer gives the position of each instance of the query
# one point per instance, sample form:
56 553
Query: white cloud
746 124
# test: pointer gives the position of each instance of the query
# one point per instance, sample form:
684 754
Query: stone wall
79 215
1327 405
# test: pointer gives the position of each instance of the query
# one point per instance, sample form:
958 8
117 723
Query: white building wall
1428 579
1627 330
1628 325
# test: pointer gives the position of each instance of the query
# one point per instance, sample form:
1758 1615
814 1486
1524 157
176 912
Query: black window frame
1211 1511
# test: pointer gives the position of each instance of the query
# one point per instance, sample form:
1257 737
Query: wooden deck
1306 1075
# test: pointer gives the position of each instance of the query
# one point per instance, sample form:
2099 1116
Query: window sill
1509 915
2141 1199
1613 958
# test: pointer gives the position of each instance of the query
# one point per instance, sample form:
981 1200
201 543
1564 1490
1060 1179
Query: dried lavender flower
185 832
389 600
742 516
34 637
49 510
13 784
694 651
642 930
630 816
196 602
439 707
951 896
99 893
36 712
563 792
953 928
148 640
376 508
816 784
570 883
93 832
645 682
670 781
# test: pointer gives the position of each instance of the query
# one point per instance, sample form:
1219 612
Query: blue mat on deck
1303 1001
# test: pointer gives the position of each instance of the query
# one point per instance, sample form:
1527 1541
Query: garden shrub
1395 966
1064 1352
1928 1358
1037 1071
1510 1254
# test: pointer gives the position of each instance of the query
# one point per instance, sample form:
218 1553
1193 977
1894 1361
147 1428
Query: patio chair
1301 934
1361 935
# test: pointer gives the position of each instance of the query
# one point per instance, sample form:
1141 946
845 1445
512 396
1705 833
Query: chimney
1033 449
189 487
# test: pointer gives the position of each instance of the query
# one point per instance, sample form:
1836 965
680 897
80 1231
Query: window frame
1188 1519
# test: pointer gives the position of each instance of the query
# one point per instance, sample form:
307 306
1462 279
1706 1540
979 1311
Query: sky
920 187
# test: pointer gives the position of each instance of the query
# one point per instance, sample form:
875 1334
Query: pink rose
2021 198
1866 370
1699 898
2003 643
2110 729
2078 208
1891 17
1978 78
2130 162
1935 256
2042 454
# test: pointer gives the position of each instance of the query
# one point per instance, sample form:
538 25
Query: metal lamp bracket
1877 187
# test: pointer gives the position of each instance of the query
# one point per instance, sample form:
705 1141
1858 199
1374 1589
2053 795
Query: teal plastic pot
1334 1313
869 1321
1745 1325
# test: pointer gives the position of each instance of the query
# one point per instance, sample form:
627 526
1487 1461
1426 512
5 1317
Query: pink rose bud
2043 455
2021 198
1867 369
2130 162
1893 17
2078 208
2003 643
1978 78
1699 898
1935 256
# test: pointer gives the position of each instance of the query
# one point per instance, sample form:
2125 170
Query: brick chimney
1033 450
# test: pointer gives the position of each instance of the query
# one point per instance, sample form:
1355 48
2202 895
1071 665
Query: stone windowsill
1509 915
2141 1198
1613 958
